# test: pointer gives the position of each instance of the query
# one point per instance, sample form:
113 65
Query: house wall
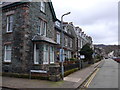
26 17
35 16
17 39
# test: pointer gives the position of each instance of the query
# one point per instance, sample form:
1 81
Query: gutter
12 4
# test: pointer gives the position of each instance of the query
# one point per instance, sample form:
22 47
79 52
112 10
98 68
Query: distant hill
110 48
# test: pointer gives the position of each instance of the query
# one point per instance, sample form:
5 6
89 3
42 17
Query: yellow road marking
91 78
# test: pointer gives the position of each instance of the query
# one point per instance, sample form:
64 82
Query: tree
87 52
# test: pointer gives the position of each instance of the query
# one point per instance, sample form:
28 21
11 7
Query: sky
97 18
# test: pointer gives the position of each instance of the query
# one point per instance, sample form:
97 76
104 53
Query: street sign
62 58
82 56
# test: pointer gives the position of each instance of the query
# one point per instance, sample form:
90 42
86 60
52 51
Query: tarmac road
106 75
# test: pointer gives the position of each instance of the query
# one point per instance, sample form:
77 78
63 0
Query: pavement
73 80
107 75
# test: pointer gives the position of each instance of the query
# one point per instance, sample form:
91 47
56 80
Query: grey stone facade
0 40
26 17
69 34
27 39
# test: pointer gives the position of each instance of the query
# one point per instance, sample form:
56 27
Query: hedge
25 76
66 73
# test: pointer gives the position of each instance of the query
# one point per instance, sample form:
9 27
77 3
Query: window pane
11 18
39 27
51 54
10 26
9 23
37 55
8 47
58 38
42 7
45 60
8 54
44 28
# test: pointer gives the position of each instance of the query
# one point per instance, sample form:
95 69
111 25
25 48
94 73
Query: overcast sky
97 18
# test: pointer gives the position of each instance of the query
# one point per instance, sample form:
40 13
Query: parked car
106 57
117 59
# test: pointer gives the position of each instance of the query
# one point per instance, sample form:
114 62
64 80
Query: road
106 75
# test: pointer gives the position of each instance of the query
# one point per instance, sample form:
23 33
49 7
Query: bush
87 52
70 71
17 75
73 59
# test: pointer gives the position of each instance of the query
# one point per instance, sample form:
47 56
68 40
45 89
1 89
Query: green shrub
72 59
70 71
24 76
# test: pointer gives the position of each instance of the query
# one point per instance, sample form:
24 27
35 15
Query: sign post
62 55
81 57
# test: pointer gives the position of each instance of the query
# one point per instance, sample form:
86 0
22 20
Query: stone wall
16 38
26 17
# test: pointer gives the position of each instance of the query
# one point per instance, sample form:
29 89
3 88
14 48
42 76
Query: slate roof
17 2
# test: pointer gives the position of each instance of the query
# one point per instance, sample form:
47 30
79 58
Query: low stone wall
54 72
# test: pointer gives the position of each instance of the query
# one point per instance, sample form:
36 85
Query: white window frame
35 60
9 22
65 29
42 28
69 54
45 52
58 38
51 54
71 42
66 41
57 24
39 27
81 43
42 6
5 55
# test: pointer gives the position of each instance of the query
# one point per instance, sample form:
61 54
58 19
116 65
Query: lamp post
62 67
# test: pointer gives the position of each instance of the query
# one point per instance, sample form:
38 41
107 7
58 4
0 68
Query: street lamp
62 67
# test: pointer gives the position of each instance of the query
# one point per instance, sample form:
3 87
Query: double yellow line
91 78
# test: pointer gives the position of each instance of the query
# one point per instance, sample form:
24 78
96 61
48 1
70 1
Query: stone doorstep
71 79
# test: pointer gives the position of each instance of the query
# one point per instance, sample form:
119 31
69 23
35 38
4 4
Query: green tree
87 52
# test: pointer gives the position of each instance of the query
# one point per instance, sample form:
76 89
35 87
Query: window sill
5 62
43 12
45 63
8 32
36 64
52 62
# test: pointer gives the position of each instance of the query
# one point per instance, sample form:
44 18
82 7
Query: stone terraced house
27 36
69 39
82 39
31 37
